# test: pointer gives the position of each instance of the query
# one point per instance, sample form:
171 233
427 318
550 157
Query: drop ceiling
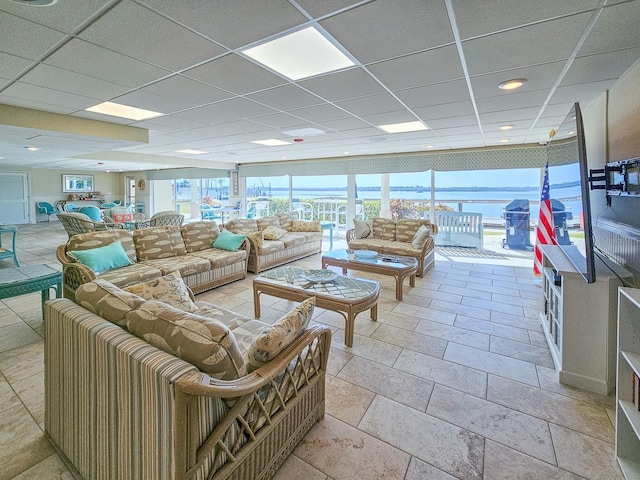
434 61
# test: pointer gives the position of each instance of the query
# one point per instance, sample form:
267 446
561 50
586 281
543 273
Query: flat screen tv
567 147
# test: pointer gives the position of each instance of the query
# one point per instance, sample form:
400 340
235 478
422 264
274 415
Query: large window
186 195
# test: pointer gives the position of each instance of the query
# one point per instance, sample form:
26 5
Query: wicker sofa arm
350 235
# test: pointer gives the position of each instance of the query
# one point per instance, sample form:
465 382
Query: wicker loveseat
119 408
299 239
155 251
392 237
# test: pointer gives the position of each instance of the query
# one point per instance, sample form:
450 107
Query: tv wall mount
619 179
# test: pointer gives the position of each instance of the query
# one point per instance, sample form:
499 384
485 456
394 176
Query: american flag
545 232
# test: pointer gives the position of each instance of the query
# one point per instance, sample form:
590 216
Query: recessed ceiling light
32 149
283 157
504 140
429 146
271 142
506 127
512 84
403 127
304 132
301 54
346 153
108 171
123 111
188 151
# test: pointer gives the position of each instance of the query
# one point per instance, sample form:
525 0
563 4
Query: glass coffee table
28 279
347 296
397 266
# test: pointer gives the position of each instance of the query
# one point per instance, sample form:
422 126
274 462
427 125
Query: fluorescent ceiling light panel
272 142
403 127
191 152
304 132
301 54
123 111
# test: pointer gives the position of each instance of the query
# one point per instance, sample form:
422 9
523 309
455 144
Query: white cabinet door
14 198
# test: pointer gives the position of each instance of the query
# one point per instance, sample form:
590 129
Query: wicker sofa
119 408
154 252
299 239
392 237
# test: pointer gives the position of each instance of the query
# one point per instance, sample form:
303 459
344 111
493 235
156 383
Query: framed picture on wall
77 183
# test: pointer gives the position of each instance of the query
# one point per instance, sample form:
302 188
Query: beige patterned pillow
286 220
406 228
199 236
278 336
86 241
105 299
159 242
420 237
265 222
243 226
384 229
364 228
273 233
257 238
205 343
308 226
169 289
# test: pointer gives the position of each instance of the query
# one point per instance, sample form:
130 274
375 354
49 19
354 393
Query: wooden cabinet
627 414
579 320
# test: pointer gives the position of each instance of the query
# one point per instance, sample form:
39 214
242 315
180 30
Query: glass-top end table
18 281
344 295
397 266
4 251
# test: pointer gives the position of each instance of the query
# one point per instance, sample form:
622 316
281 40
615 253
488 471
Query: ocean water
491 203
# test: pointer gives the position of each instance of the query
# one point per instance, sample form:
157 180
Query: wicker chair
162 219
75 223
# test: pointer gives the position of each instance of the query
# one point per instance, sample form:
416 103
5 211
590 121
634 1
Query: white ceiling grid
185 59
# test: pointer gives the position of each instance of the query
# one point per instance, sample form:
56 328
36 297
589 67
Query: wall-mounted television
568 147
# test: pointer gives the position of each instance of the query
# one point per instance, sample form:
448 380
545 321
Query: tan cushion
420 237
368 244
102 238
242 226
139 272
308 226
265 222
169 289
205 343
199 235
384 229
286 220
273 233
158 242
406 228
108 301
293 240
402 248
364 228
220 258
185 264
278 336
271 246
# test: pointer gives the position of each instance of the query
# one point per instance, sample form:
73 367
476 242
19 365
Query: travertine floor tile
492 328
517 430
461 309
454 450
368 348
419 470
23 362
455 334
522 351
346 401
342 451
399 386
411 340
584 455
51 468
17 335
492 363
549 381
443 372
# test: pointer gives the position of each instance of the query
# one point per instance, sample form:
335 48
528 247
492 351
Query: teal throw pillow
228 241
104 258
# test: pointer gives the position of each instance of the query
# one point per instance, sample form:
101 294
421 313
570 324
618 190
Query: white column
351 200
385 202
433 196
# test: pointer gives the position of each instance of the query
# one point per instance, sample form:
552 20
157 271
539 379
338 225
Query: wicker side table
5 252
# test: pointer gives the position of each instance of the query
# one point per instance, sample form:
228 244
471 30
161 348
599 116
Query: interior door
14 198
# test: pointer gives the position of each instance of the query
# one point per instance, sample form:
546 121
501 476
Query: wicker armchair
136 217
75 223
162 219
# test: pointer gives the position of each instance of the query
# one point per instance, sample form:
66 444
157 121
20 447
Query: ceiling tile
285 98
82 57
616 28
607 66
343 85
235 74
433 66
585 93
511 102
474 18
26 39
64 16
280 121
11 66
371 105
320 113
457 109
449 92
538 77
206 116
317 9
406 26
240 108
69 102
541 43
191 92
232 24
132 30
147 101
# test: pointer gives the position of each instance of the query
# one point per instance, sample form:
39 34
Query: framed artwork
77 183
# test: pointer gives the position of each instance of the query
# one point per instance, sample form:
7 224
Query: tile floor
456 381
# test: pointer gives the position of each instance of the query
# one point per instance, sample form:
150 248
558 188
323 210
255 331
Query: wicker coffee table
397 266
347 296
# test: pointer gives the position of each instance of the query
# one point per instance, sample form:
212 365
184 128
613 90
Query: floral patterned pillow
309 226
278 336
273 233
169 289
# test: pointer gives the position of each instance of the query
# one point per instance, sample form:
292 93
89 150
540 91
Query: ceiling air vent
37 3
